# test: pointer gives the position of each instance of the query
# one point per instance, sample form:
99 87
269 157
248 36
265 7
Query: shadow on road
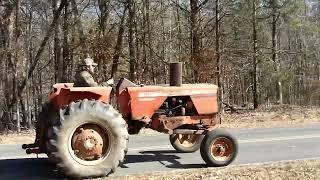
29 168
41 168
152 156
161 157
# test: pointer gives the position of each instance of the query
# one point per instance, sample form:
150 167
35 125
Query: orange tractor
85 130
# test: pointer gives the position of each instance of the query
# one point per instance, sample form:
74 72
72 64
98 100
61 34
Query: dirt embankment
275 116
293 170
17 138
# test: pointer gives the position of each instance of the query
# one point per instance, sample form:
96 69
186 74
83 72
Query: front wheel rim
221 149
187 140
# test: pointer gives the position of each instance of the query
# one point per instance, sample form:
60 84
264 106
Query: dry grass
293 170
24 137
277 116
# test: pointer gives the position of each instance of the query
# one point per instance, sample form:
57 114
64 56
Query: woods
258 52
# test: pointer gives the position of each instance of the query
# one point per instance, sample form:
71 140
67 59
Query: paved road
149 153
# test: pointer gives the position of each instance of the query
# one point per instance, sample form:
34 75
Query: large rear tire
186 143
219 148
89 140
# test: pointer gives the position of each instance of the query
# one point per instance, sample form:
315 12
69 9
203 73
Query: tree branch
180 7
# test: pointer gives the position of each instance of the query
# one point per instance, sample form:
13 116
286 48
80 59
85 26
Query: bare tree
118 47
132 52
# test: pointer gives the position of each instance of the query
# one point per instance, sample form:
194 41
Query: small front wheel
219 148
186 143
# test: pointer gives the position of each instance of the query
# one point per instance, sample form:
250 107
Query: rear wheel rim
90 143
221 149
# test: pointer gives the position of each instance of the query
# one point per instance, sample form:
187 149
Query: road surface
150 153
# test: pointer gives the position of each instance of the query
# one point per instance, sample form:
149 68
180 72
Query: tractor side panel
205 104
144 103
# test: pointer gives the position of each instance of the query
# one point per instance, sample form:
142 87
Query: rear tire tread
104 114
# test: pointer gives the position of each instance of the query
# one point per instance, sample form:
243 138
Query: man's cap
88 62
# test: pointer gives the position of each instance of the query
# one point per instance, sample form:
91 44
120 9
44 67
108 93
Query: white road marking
31 156
150 148
311 136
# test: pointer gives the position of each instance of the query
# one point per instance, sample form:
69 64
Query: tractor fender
65 93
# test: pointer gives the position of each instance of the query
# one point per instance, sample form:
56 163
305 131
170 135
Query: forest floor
275 116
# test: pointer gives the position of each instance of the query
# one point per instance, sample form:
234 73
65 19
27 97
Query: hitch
26 146
33 151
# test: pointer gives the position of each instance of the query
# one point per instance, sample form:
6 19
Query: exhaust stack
176 74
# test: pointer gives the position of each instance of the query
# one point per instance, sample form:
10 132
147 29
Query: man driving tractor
83 77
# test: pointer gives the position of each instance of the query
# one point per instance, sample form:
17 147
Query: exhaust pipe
176 74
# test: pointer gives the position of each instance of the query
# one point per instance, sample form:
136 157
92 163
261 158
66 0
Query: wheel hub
88 142
222 149
187 140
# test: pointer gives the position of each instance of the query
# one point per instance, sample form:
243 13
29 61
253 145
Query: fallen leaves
277 116
295 170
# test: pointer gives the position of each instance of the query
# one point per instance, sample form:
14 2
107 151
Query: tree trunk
15 71
104 13
118 47
195 40
255 48
218 55
144 65
57 47
149 33
138 44
179 36
24 113
84 48
131 40
274 4
163 48
65 50
29 45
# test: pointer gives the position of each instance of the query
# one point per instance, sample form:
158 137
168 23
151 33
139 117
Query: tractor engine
178 106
